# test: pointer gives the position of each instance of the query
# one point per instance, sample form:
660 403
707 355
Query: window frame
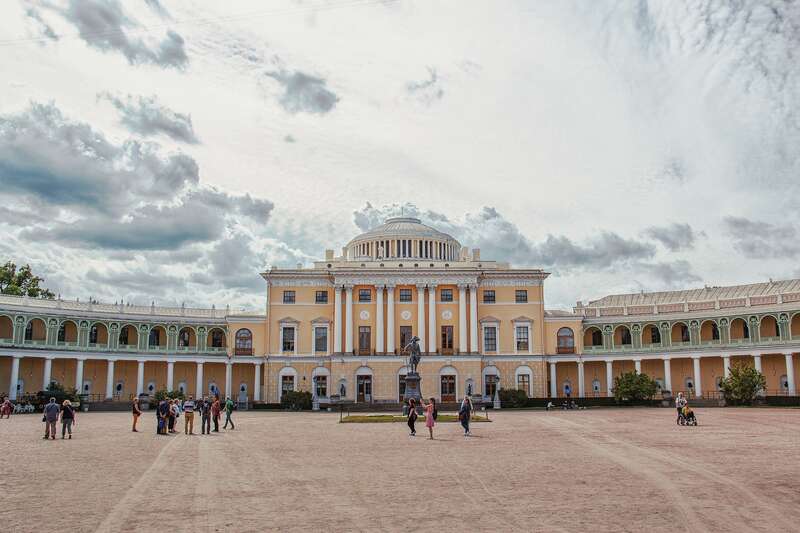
289 296
494 338
526 327
446 295
321 297
403 292
521 296
240 346
317 327
489 296
292 340
567 347
364 296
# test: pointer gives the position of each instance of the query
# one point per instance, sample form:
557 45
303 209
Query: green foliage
742 385
296 400
21 282
510 398
57 391
164 394
634 387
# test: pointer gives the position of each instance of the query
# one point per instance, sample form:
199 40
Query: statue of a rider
414 353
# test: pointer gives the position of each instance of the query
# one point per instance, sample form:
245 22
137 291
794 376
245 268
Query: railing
67 344
739 341
96 345
221 349
159 349
713 342
6 342
772 339
128 347
652 346
187 348
42 342
565 349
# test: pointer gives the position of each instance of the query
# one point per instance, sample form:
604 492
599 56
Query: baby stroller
687 417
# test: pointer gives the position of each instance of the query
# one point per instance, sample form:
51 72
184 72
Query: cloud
146 116
104 24
674 237
44 28
428 90
159 8
304 93
54 160
289 139
676 274
756 239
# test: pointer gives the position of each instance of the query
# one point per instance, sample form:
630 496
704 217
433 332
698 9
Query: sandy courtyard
601 470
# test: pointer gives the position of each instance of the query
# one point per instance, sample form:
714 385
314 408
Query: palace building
339 328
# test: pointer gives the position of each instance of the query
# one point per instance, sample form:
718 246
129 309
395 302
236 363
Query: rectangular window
321 386
288 297
447 340
488 297
446 295
405 336
321 297
490 385
287 383
684 333
364 340
405 295
522 338
490 339
524 383
364 295
321 340
288 339
521 296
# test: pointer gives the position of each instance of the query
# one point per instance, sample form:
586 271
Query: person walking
228 413
68 418
162 414
430 415
205 416
171 416
412 417
50 417
188 416
680 403
464 414
215 410
136 414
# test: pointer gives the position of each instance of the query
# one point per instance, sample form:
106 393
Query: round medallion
405 315
364 315
447 314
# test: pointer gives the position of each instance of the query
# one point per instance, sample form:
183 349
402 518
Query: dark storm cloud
146 116
759 240
62 162
304 93
104 24
674 237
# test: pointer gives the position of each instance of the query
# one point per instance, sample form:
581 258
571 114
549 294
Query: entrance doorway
364 388
448 388
364 340
447 340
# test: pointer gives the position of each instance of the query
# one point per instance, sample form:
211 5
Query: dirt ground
595 470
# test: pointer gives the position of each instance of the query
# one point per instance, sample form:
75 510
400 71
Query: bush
165 394
742 385
296 400
513 398
634 387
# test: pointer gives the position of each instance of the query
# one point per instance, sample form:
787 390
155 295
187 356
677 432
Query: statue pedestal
412 387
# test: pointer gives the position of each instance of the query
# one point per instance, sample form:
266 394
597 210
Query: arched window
566 341
244 342
217 338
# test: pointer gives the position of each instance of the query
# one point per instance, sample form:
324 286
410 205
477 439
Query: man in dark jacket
51 411
162 413
205 414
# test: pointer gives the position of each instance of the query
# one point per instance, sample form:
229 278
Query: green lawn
377 419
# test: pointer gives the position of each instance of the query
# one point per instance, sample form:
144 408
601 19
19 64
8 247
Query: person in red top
215 410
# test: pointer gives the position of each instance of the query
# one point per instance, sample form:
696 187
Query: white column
473 319
390 347
726 366
790 374
170 375
581 391
609 378
228 372
667 375
79 376
421 316
379 320
637 364
12 388
462 319
337 320
199 387
432 318
110 379
48 372
553 384
348 320
698 387
140 378
757 364
257 383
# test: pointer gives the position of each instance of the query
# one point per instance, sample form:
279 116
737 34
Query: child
412 417
430 415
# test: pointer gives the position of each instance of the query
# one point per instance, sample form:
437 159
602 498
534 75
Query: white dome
400 237
407 227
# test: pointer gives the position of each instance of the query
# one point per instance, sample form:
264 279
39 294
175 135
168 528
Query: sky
169 151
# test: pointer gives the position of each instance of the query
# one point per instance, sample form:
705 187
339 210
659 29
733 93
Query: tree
21 282
742 384
633 386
